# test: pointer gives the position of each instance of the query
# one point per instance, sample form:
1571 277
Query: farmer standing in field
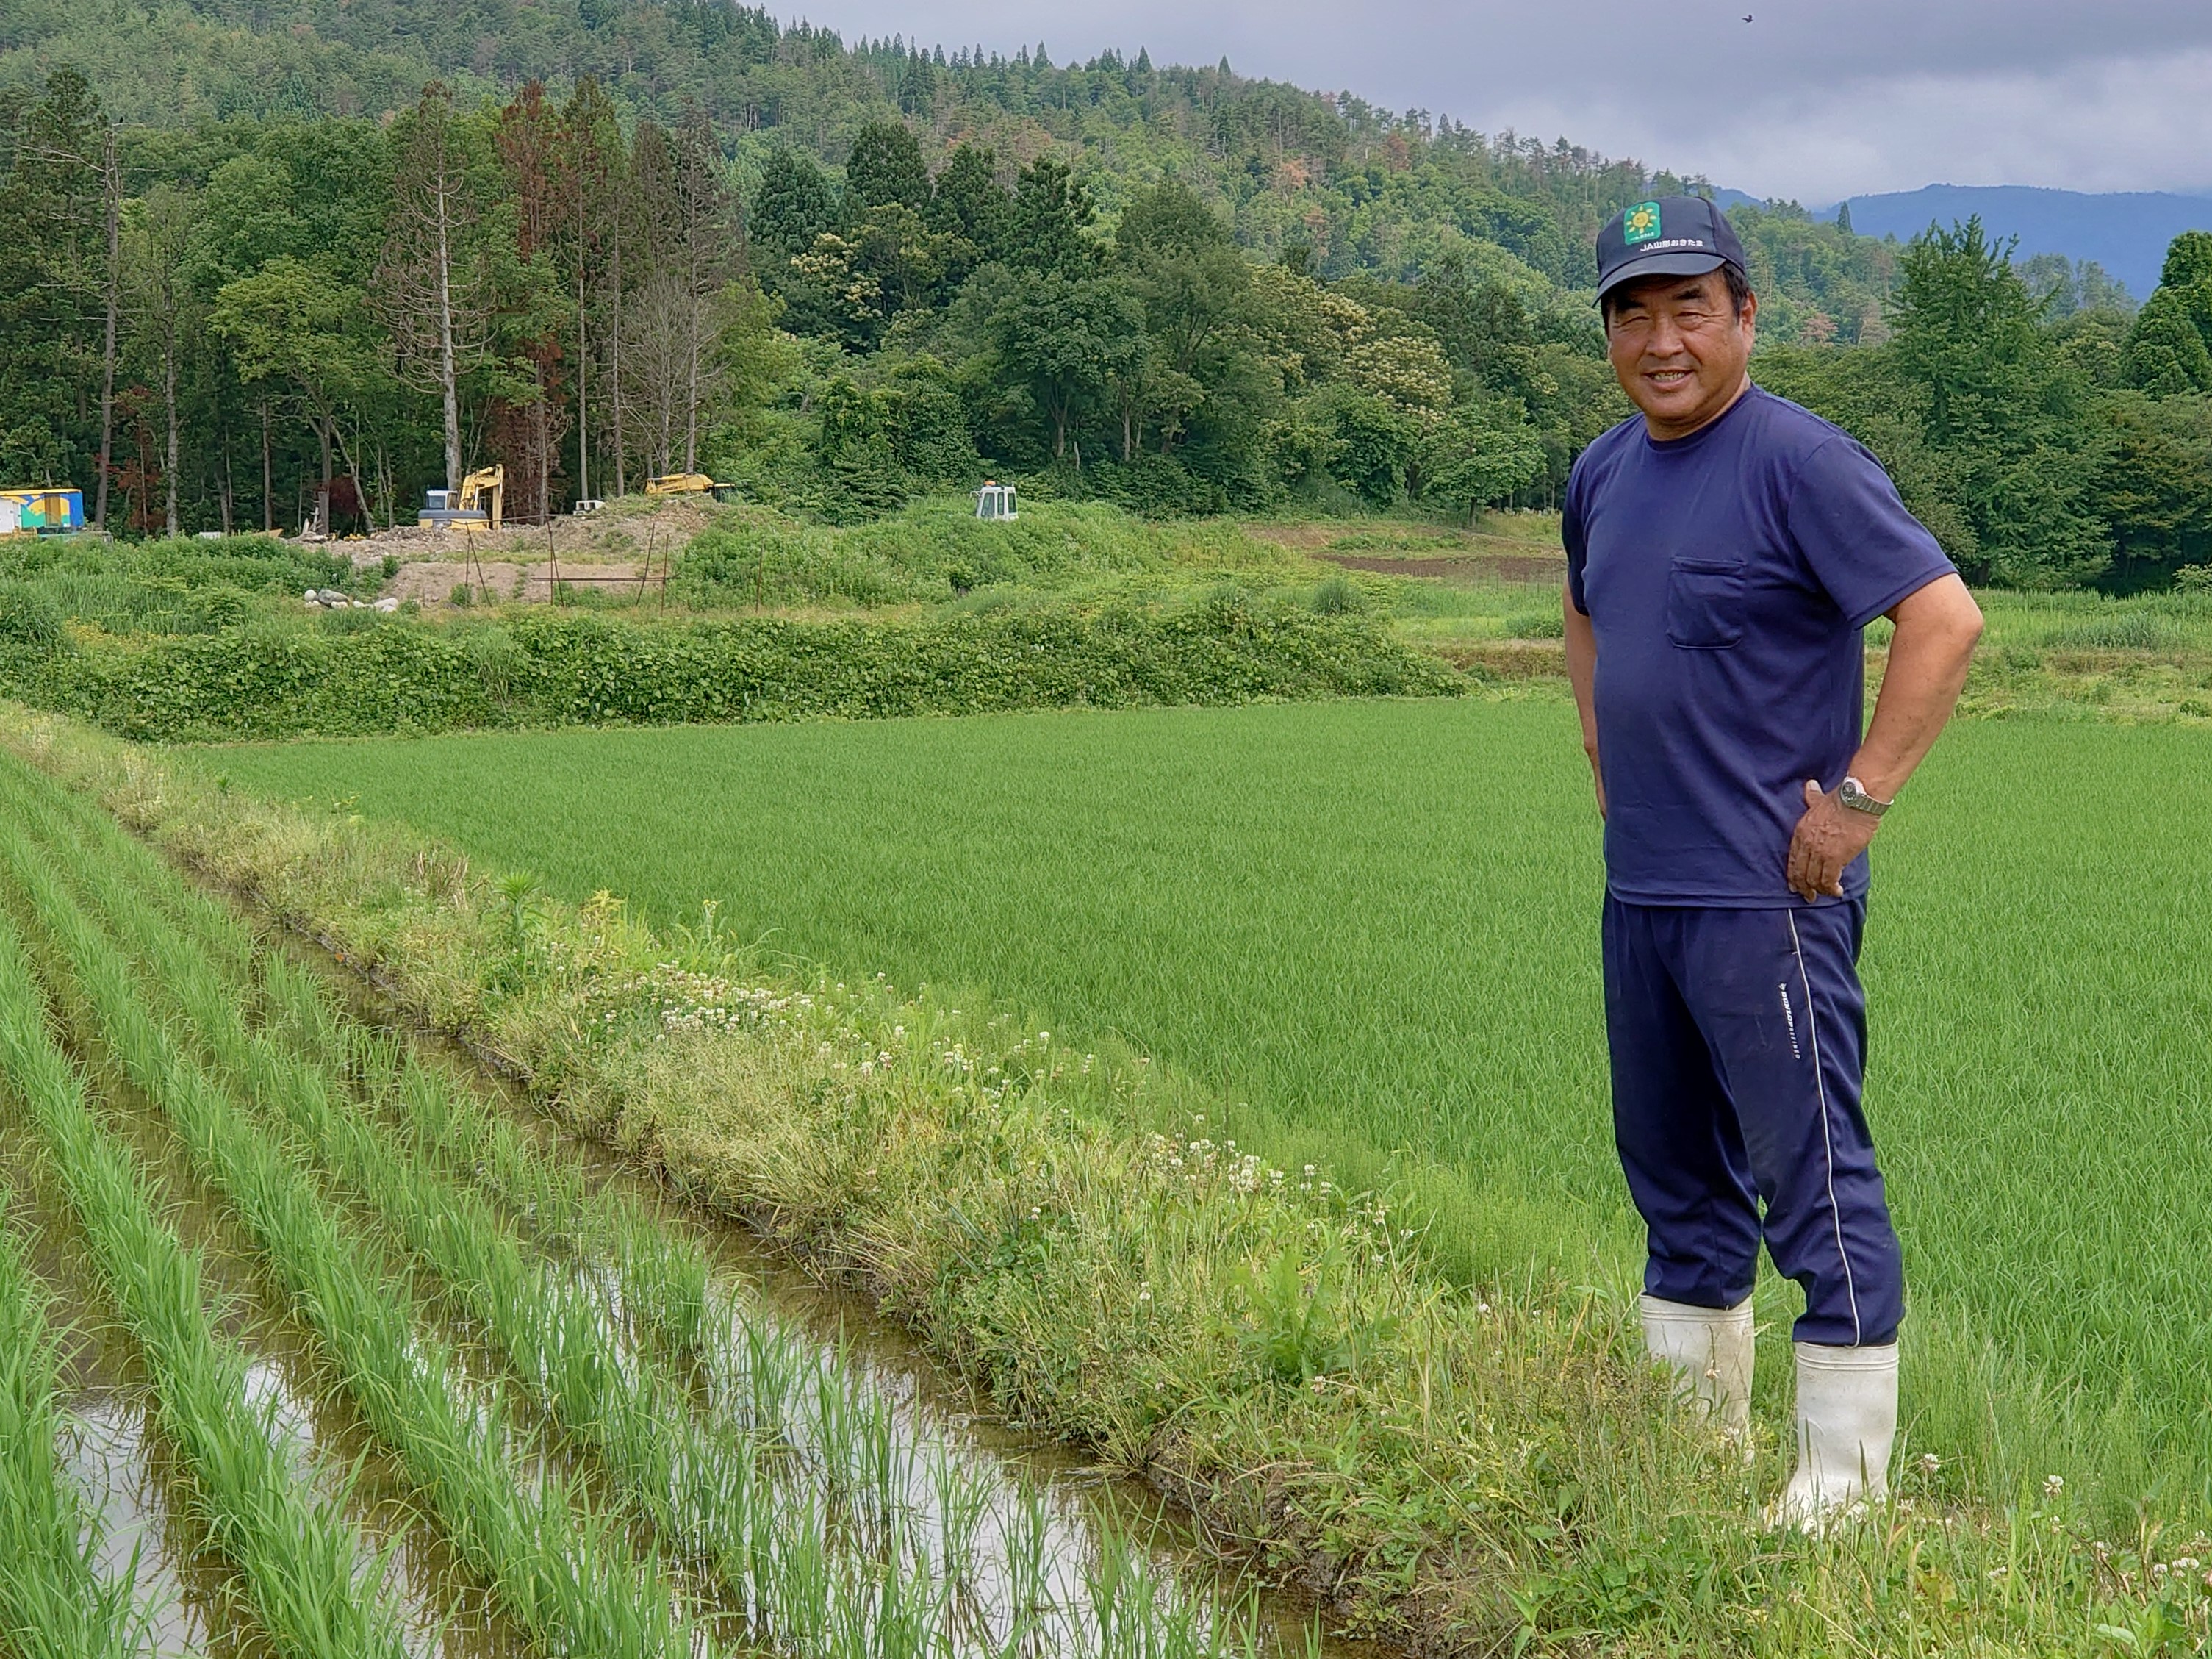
1725 547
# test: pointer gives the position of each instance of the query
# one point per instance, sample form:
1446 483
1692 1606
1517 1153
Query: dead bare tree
157 242
111 195
591 165
705 239
430 289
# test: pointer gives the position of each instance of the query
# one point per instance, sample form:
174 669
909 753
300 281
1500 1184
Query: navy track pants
1738 1040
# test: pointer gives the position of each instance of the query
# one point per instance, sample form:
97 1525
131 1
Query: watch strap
1853 794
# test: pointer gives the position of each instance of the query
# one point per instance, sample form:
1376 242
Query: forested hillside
289 261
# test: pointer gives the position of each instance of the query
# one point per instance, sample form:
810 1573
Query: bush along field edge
1466 1468
1227 647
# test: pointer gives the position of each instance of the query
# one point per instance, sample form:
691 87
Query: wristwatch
1853 794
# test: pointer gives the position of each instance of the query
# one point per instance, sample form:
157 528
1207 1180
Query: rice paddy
374 1368
1367 932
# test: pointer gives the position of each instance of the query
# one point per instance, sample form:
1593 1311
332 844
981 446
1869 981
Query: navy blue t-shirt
1728 577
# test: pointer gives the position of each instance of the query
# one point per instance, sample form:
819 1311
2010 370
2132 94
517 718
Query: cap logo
1640 223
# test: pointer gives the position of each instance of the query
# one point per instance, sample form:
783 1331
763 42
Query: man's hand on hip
1827 838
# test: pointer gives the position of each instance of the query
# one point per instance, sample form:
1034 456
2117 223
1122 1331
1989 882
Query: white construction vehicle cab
995 500
474 505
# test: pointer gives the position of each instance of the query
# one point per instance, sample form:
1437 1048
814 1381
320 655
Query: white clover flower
2053 1485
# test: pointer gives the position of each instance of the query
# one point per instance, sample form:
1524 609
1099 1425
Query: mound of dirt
627 544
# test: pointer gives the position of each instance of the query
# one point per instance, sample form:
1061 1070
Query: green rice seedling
695 1487
663 1274
557 1342
699 1484
312 1583
54 1602
559 1570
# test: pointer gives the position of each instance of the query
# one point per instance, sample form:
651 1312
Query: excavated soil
609 549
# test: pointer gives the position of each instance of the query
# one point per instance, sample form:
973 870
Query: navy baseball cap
1673 236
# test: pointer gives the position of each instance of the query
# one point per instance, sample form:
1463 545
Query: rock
386 604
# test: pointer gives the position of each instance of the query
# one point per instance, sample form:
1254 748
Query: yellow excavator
688 483
476 503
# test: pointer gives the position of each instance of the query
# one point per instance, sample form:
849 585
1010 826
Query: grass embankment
1474 1470
556 670
777 1482
1376 925
767 619
1489 604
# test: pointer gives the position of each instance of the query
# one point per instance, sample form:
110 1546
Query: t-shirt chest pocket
1705 603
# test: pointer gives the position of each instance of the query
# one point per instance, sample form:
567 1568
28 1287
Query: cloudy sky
1812 99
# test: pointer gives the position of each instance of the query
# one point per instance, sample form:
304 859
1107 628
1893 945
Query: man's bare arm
1936 630
1582 670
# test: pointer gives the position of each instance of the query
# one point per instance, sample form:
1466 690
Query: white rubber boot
1711 1349
1846 1425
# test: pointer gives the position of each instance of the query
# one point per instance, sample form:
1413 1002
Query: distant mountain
2125 232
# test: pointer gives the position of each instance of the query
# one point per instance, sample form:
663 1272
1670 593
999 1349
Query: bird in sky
1747 17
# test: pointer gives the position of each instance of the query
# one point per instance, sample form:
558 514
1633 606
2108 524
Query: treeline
2048 441
307 321
284 321
1357 187
1171 288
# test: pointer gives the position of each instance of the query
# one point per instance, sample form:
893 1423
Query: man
1725 549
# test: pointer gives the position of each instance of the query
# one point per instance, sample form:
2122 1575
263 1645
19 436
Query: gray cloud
1814 98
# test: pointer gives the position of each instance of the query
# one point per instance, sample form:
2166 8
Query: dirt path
1472 567
433 582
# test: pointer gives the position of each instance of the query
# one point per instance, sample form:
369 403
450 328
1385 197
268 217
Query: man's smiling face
1679 347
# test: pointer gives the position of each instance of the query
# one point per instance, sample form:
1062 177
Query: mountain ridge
2126 232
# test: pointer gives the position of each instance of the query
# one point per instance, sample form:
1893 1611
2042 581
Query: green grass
1376 924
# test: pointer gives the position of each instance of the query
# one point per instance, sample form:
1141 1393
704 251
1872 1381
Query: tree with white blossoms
1481 453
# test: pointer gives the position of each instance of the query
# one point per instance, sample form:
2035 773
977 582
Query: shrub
1337 596
1548 624
582 669
30 622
